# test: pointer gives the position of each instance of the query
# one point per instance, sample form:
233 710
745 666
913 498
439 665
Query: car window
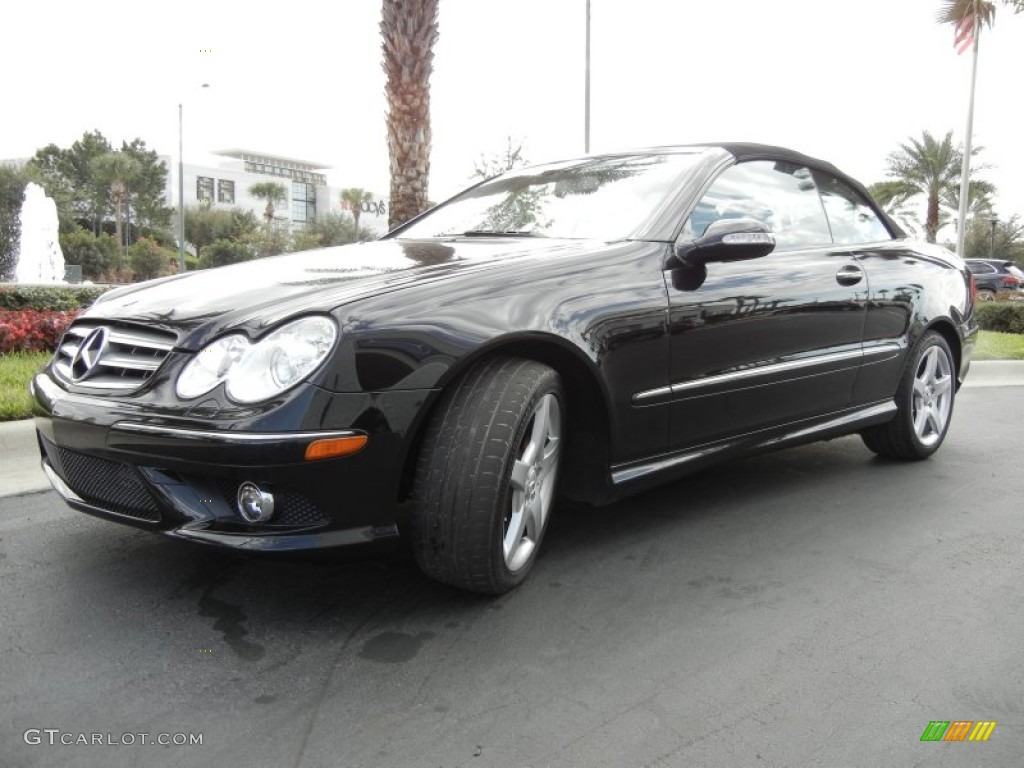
851 219
980 267
781 195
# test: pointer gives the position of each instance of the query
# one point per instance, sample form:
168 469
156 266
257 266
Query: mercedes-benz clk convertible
581 329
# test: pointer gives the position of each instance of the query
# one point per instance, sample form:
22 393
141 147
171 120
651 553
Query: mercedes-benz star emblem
87 357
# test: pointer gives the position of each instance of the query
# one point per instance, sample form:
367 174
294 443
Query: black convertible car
584 328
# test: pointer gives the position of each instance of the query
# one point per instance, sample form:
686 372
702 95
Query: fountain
39 258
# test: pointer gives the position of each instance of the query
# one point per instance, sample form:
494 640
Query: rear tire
986 295
924 401
486 476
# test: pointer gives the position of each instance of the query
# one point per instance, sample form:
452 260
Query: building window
204 189
303 201
225 191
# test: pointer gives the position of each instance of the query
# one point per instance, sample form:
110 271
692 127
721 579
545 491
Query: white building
227 186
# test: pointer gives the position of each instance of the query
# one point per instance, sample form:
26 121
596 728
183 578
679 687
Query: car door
893 274
770 341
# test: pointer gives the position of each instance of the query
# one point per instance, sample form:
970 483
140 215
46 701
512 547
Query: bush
30 331
221 252
148 259
1002 316
94 254
49 298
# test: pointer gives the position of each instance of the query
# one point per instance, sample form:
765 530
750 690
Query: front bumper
181 479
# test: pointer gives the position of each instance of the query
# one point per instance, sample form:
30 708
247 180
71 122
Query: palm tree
889 196
353 199
271 191
114 173
955 11
409 31
927 168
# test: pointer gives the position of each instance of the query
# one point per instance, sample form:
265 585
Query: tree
352 199
1005 242
889 196
115 172
70 177
146 190
409 30
12 194
204 224
511 157
73 170
930 169
271 191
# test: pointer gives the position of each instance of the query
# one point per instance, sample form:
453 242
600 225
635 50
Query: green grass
999 346
16 370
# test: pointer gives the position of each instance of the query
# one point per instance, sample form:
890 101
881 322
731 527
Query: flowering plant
30 330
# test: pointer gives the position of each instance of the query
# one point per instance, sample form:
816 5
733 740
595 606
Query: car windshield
604 198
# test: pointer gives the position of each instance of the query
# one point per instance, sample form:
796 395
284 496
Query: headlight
255 372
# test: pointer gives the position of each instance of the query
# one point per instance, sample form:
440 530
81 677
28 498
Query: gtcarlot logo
55 736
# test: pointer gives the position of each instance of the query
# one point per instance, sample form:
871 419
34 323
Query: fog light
255 504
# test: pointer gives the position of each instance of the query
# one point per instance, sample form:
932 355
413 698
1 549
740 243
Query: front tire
486 475
924 403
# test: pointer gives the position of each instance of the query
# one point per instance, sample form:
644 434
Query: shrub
148 259
1002 316
94 254
221 252
57 298
28 330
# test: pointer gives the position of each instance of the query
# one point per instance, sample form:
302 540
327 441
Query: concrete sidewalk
19 455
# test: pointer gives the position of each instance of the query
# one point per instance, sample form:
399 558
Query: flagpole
965 169
586 90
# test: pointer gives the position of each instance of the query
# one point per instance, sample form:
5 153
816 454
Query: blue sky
844 81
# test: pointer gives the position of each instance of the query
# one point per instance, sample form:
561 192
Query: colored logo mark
958 730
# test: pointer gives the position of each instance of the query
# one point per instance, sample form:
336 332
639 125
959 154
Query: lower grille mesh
107 484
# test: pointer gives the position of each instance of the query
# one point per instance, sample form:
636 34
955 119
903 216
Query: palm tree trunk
409 31
117 223
931 221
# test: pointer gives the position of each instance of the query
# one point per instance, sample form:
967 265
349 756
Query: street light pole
181 198
992 241
181 193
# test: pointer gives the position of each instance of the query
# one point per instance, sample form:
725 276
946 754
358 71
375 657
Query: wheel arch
947 331
584 474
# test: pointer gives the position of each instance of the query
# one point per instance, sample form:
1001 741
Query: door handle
849 275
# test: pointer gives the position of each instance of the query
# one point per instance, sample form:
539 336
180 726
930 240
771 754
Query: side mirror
727 240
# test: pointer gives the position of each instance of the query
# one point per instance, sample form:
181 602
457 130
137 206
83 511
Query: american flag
964 33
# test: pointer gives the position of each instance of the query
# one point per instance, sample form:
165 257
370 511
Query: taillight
1011 282
974 289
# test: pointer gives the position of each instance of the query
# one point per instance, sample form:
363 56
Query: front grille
109 485
120 358
291 507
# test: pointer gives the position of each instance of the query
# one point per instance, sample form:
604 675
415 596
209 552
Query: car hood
258 294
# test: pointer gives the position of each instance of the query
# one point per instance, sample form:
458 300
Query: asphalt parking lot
815 607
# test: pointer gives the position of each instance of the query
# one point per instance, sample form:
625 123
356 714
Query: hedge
46 298
1002 316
